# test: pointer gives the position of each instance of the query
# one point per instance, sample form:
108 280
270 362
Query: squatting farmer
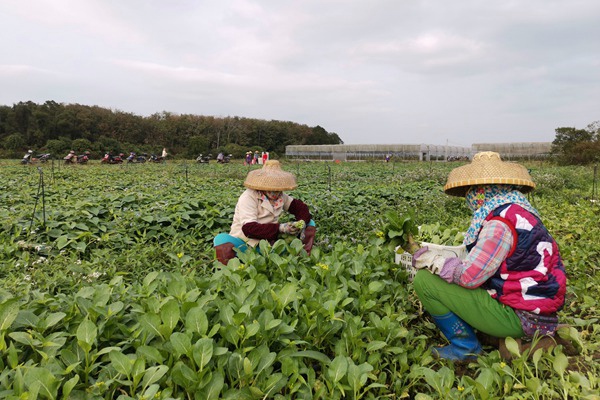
258 210
512 282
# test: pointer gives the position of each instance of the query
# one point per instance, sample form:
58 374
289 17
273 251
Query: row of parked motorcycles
221 159
70 158
29 158
73 158
132 158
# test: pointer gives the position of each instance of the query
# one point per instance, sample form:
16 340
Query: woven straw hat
271 178
487 167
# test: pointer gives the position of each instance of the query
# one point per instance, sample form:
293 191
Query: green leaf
512 346
27 318
22 337
376 345
154 374
337 369
80 246
62 242
169 314
121 363
151 392
274 384
272 324
213 389
560 363
252 329
150 323
182 344
376 286
150 354
8 313
287 294
150 278
315 355
41 380
392 233
13 356
357 375
184 376
202 352
177 288
115 308
86 334
68 386
196 321
226 314
82 227
265 362
52 319
486 379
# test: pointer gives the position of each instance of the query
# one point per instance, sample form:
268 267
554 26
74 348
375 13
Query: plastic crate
405 259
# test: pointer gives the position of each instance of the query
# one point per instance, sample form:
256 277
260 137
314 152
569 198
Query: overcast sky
372 71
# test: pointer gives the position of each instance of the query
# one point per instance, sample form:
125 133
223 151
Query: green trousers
474 306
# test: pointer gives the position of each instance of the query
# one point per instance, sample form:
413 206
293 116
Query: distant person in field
258 210
512 282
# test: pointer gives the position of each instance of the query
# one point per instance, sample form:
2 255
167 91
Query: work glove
288 228
308 238
424 258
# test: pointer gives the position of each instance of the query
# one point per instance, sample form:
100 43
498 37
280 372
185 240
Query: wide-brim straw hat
487 168
271 178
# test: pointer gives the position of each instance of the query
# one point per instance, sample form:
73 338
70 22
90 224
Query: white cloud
461 71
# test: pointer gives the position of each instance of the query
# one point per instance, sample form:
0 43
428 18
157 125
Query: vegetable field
109 288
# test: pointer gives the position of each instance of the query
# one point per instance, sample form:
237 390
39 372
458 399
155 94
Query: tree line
577 146
57 128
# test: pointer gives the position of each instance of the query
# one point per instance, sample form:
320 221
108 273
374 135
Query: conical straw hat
486 168
271 178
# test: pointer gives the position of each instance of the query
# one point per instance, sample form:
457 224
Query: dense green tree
81 145
14 142
321 136
577 146
58 147
55 126
197 145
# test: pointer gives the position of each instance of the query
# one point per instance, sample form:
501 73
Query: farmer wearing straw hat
512 282
258 210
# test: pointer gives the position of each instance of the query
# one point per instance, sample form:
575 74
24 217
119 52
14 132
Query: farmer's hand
288 228
424 258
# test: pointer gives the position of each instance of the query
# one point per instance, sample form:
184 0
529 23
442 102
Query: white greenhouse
361 152
420 152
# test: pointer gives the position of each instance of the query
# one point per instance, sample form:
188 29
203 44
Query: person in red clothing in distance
258 210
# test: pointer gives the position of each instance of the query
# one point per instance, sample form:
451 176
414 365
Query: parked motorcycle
84 158
70 158
133 158
225 160
156 159
44 157
27 158
110 159
202 159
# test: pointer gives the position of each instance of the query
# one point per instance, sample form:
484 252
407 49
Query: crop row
110 289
